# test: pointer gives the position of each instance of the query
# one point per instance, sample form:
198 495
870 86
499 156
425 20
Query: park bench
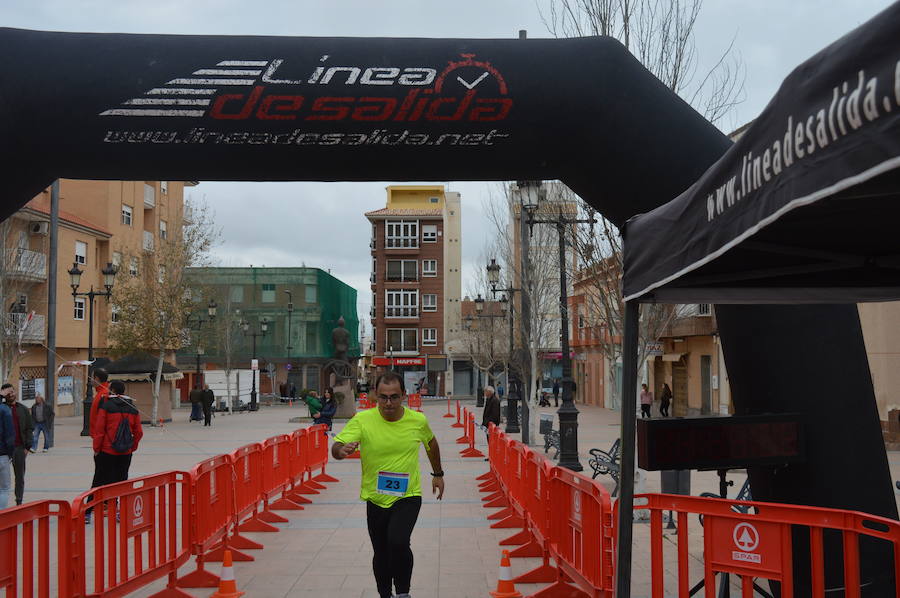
606 463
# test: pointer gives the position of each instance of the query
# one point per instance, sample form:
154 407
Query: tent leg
626 479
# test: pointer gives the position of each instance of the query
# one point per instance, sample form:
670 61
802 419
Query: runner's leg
378 520
404 514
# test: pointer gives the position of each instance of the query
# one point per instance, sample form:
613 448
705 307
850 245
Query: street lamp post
196 323
263 327
290 310
109 276
567 413
512 380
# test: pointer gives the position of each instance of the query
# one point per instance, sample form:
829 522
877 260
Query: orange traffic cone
227 585
505 586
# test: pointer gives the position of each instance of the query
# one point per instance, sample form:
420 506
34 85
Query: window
79 308
402 271
402 340
268 293
703 309
374 270
161 274
310 293
164 187
429 337
429 233
114 314
401 304
401 233
434 200
237 294
126 215
163 230
133 267
312 377
80 252
429 267
117 259
429 302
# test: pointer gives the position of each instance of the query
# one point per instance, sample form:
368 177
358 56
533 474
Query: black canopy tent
802 209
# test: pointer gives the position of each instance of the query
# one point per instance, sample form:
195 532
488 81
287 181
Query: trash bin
546 425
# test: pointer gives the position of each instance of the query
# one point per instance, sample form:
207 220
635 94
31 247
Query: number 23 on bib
392 483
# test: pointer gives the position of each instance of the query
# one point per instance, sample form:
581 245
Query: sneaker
45 450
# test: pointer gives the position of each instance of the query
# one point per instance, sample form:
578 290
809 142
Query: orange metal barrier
449 413
135 535
459 422
317 447
276 478
34 545
415 402
464 439
248 482
470 451
759 545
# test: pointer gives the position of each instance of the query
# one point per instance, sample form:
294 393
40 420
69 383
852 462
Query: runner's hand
437 486
348 449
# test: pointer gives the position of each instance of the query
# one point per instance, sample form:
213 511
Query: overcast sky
289 224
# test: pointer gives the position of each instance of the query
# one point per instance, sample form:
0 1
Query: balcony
401 312
401 243
28 265
29 332
401 278
149 197
148 241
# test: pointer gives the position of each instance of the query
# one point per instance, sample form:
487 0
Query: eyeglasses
390 399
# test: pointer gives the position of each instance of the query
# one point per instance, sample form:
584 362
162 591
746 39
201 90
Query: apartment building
100 222
416 284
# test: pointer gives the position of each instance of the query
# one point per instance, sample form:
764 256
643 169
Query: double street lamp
196 323
109 276
567 413
512 380
263 328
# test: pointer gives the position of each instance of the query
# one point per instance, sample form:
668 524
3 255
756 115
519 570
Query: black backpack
124 440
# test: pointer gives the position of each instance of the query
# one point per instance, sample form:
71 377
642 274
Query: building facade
416 284
99 223
301 308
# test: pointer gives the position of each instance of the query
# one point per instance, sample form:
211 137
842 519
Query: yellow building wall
415 197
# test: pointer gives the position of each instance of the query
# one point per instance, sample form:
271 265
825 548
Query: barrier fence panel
459 422
35 556
449 413
470 451
757 546
464 439
276 477
317 444
415 402
248 489
212 514
140 533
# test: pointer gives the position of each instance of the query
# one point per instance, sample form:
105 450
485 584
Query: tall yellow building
99 222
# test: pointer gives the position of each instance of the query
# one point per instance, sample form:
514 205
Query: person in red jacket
119 433
99 382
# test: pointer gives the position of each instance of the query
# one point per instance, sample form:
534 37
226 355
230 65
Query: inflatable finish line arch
166 107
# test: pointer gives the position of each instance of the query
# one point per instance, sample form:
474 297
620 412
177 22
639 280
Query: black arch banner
159 107
103 106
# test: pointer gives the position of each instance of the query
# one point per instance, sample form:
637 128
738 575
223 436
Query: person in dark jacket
42 415
23 428
196 399
491 413
7 448
665 398
209 398
113 464
556 392
329 407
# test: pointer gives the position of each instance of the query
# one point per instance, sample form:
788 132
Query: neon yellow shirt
387 446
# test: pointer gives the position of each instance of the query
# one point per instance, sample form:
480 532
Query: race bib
392 483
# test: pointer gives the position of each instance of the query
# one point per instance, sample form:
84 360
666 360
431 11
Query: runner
389 440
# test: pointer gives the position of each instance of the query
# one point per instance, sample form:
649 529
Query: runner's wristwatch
438 474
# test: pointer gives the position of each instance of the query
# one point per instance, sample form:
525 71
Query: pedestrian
42 414
99 380
23 429
209 398
664 399
325 415
491 412
7 450
196 398
556 392
389 437
119 424
293 391
500 391
646 401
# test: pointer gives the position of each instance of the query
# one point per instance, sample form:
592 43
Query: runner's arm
340 451
437 481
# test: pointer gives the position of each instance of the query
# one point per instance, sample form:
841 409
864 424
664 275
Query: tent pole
626 473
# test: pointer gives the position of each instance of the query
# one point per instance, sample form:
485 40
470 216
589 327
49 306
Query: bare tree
154 303
538 282
20 270
660 33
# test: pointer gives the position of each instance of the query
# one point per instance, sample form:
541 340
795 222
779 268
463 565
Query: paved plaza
324 550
